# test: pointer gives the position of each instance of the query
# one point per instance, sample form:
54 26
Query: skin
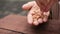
32 6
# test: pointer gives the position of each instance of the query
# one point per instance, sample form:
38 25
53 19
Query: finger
29 18
40 20
46 16
45 19
35 23
28 5
46 13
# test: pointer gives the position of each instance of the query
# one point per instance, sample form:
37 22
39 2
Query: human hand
35 15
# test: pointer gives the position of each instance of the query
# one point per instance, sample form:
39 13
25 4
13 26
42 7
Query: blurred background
12 7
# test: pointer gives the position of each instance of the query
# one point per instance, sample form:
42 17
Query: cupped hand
35 15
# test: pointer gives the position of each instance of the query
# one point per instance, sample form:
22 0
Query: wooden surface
19 23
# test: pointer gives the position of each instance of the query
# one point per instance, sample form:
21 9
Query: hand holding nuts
35 15
39 15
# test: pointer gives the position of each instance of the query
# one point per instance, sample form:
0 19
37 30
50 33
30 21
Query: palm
34 15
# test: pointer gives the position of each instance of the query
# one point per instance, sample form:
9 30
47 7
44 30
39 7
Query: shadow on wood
19 23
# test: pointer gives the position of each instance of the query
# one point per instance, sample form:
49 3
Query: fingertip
35 23
45 19
47 13
28 5
25 7
40 20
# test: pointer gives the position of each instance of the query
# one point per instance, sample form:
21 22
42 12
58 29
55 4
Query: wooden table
19 24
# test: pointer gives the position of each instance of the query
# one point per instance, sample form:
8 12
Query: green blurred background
12 7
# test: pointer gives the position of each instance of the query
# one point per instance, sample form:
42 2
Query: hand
35 15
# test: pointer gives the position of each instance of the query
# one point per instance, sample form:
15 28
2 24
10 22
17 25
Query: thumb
28 5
